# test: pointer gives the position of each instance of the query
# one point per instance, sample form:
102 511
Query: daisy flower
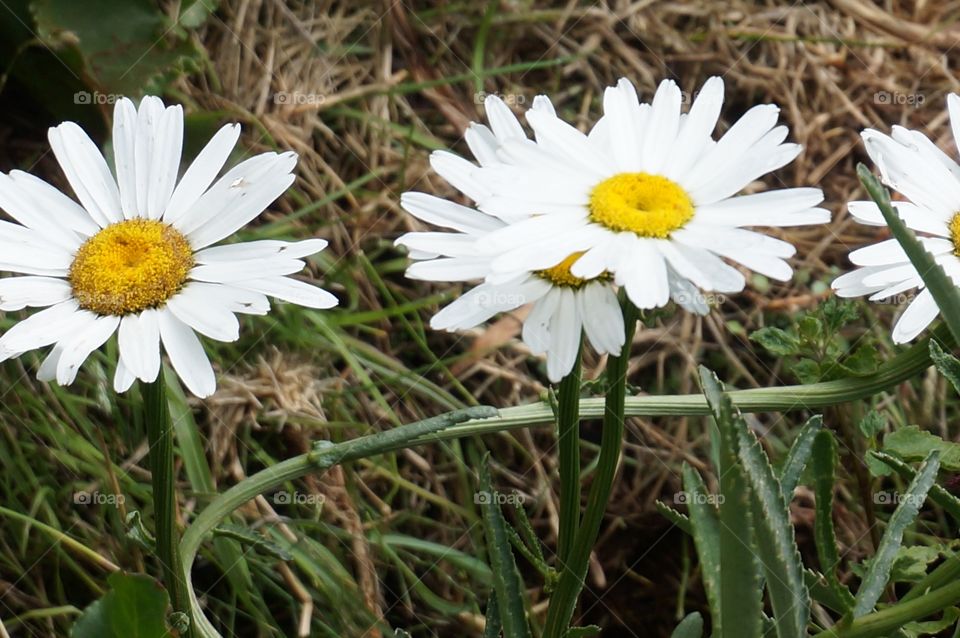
136 257
563 306
929 179
646 198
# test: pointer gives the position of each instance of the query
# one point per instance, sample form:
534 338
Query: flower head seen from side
136 256
929 179
647 196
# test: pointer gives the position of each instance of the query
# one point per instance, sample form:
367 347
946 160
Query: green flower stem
470 423
568 445
160 439
885 622
573 570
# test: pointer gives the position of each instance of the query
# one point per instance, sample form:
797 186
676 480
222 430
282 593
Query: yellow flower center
648 205
130 266
955 233
560 274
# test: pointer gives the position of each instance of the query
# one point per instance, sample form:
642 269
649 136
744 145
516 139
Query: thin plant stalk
568 445
160 439
574 570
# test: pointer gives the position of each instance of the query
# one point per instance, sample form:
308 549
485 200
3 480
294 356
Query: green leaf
807 371
583 632
705 528
492 626
776 341
778 551
674 517
875 580
910 565
938 494
798 456
690 627
127 45
947 364
825 538
913 444
247 536
872 424
506 577
931 627
135 607
942 288
740 600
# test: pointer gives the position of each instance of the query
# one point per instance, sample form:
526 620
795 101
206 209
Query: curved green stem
574 568
568 458
882 623
488 420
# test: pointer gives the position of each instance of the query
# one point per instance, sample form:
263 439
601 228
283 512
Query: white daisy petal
84 338
124 155
292 291
186 355
565 334
57 207
139 342
19 292
262 249
663 126
201 173
87 171
919 314
194 308
38 330
602 318
123 379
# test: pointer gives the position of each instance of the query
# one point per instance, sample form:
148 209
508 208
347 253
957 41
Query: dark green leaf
824 467
776 341
690 627
135 607
939 495
798 456
872 424
913 444
947 364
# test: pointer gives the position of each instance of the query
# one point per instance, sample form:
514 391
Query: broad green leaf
938 494
127 45
947 364
875 580
135 607
506 577
690 627
931 627
824 468
913 444
942 288
740 591
910 565
798 456
778 551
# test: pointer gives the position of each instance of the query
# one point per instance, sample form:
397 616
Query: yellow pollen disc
955 233
648 205
130 266
560 274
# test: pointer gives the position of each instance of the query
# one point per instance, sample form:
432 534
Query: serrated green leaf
872 424
506 577
798 456
135 607
863 362
913 444
705 529
939 495
690 627
740 591
674 516
778 551
947 364
776 341
942 288
824 467
492 626
875 580
807 371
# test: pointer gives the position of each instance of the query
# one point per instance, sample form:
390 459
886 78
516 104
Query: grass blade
705 529
879 571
